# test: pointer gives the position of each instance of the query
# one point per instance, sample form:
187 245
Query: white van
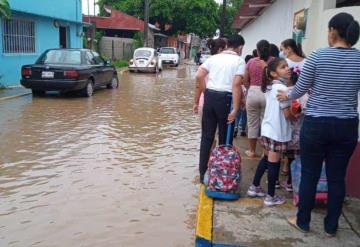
169 55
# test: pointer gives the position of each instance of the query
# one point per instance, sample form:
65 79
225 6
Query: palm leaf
5 10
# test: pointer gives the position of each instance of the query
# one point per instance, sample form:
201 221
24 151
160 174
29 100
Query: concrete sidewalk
246 222
13 92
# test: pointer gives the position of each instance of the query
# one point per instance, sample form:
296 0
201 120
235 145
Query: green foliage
98 37
138 39
120 63
5 10
235 3
232 8
189 16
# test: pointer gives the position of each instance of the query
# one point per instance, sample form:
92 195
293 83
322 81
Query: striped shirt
333 77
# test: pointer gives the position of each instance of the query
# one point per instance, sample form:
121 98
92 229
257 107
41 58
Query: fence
117 48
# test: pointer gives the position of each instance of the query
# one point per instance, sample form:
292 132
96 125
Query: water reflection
113 170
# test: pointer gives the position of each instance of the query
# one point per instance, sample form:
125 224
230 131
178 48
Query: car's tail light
26 71
71 73
153 62
131 61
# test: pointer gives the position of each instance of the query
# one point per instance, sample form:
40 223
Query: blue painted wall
43 12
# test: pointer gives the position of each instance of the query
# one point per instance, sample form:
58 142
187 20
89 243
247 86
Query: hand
232 116
242 103
195 108
282 95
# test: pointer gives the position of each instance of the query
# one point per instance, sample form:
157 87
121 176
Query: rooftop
249 11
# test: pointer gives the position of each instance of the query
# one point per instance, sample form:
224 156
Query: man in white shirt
225 72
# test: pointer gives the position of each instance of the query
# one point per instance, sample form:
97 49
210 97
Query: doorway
63 34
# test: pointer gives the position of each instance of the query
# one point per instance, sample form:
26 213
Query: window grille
18 36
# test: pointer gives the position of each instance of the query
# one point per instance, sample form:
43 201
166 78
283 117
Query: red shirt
255 68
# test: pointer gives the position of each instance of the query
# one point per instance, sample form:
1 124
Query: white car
145 60
204 55
169 55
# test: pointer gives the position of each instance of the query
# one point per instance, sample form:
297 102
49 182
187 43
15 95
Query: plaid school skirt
274 146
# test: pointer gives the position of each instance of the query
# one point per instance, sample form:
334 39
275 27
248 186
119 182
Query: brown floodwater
117 169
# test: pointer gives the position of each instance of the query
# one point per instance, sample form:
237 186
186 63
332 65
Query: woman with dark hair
216 45
293 53
330 128
255 101
274 50
255 53
225 72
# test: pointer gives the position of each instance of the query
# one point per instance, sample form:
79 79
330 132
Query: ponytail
347 27
352 33
266 79
263 48
299 50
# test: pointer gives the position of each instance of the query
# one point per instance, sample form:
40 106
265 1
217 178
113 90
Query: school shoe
274 200
254 191
286 186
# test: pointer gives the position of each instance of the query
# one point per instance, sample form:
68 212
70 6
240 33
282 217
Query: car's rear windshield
142 53
60 57
167 51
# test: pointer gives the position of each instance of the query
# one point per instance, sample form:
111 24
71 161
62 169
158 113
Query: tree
232 8
190 16
5 10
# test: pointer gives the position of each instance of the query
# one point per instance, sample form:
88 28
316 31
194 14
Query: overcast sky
86 10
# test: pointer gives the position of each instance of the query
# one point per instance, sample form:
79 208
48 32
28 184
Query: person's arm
199 86
306 80
237 94
289 115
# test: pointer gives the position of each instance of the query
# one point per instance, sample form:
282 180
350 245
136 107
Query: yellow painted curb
204 215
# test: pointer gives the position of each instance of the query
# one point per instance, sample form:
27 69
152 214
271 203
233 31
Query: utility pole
94 7
146 24
223 19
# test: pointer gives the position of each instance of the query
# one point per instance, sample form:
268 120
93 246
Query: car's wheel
176 65
38 92
114 83
88 90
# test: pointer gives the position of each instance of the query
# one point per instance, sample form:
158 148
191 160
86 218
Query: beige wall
123 48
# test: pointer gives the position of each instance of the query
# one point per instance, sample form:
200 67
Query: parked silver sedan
145 60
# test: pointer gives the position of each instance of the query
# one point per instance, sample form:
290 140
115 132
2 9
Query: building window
18 36
347 3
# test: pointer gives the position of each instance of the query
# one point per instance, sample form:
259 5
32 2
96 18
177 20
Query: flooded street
117 169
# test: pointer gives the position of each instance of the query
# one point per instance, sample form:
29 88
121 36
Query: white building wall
274 25
318 25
